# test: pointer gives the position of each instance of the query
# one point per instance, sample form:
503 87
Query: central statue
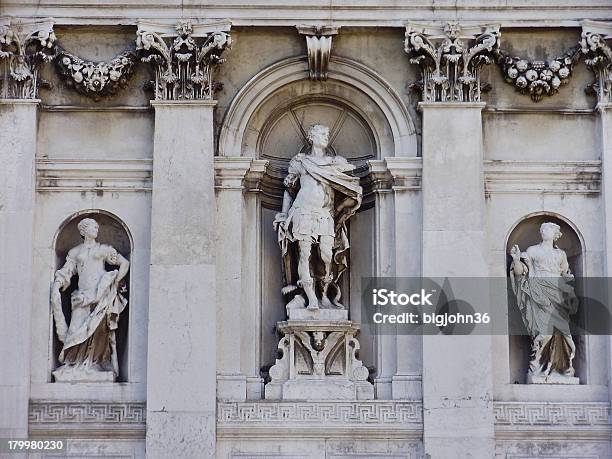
318 200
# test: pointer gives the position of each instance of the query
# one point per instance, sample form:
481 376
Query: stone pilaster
18 129
384 237
406 187
182 356
458 412
233 176
596 45
181 363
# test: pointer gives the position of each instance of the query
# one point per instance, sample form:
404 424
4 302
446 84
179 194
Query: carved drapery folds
318 44
23 47
450 58
538 78
95 79
596 45
184 57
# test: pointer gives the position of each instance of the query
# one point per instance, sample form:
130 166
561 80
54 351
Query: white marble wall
449 184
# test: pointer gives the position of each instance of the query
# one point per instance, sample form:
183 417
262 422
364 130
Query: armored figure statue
89 351
319 199
541 280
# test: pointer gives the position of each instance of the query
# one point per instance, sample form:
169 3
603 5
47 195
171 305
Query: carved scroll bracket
596 46
538 78
24 46
450 58
319 44
184 57
95 79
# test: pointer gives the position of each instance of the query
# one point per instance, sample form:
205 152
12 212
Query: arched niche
113 232
525 233
349 81
268 119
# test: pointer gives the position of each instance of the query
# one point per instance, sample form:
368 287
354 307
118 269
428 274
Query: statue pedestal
553 379
319 361
69 374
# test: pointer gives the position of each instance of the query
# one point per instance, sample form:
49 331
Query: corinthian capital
23 47
184 57
450 57
596 46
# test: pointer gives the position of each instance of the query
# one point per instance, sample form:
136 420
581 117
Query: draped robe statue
319 198
89 351
541 280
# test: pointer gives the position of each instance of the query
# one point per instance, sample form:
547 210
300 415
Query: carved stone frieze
24 46
552 414
596 46
323 413
95 79
450 58
87 418
318 44
538 78
184 57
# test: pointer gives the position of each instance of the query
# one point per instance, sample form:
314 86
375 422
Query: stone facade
173 126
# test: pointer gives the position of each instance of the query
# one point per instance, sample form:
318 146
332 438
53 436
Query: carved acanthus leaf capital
596 46
318 44
23 47
184 57
450 58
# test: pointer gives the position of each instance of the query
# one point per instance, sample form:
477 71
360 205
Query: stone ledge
559 177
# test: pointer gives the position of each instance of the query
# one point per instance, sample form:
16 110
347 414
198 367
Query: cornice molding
55 175
535 177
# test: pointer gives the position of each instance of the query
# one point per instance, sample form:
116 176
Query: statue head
550 231
88 227
318 135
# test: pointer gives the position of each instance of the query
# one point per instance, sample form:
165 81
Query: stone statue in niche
319 351
89 351
318 200
541 280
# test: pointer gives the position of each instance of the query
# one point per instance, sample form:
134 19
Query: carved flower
78 77
521 82
554 66
96 82
531 75
555 83
66 61
513 72
564 72
522 65
546 75
169 77
114 75
183 57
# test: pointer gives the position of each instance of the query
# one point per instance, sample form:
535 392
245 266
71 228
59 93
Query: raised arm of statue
518 267
114 258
